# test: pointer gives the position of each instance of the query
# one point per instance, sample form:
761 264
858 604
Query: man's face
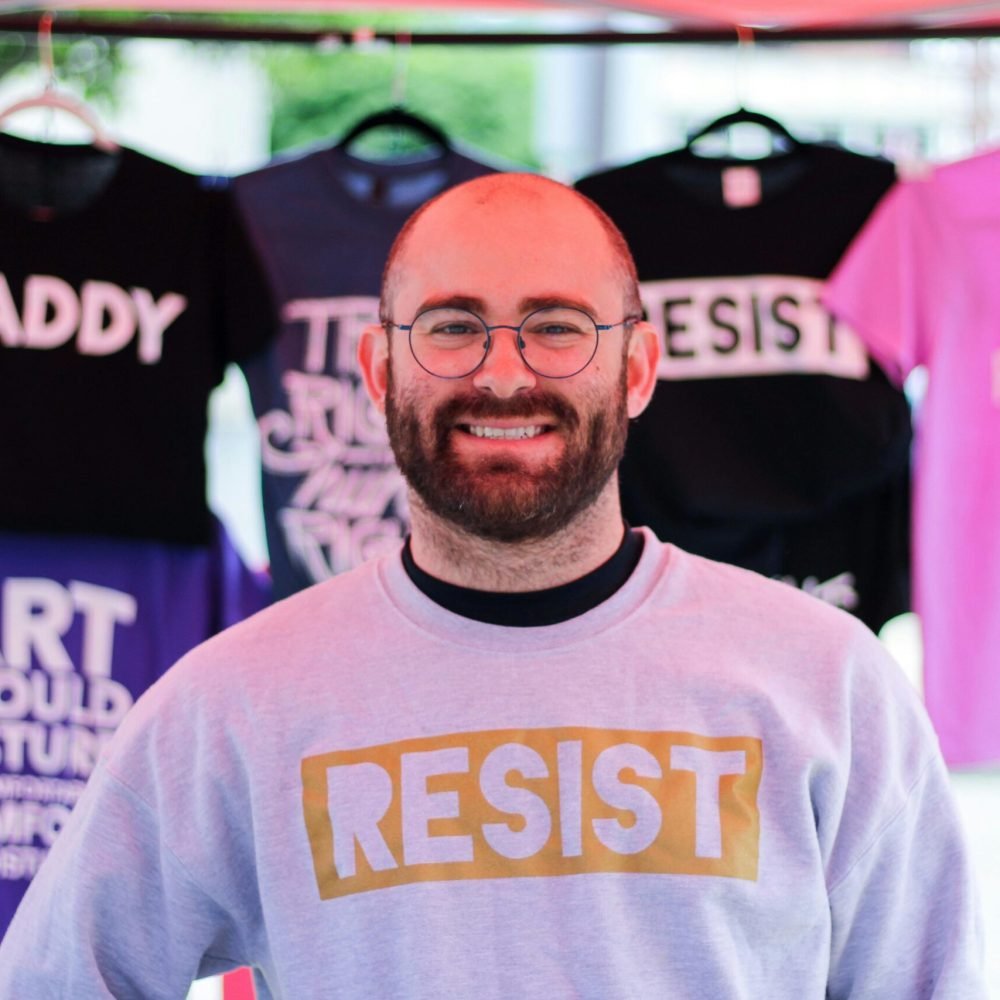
503 453
508 490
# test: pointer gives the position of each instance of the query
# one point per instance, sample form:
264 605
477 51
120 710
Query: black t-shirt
319 226
112 334
773 441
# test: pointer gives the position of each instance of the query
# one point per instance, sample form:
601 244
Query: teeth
508 433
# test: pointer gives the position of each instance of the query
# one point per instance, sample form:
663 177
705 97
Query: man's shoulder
333 608
825 662
730 590
258 666
284 638
744 615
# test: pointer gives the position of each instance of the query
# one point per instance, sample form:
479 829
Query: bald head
474 204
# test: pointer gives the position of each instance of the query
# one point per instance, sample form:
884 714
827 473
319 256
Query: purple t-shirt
920 286
86 625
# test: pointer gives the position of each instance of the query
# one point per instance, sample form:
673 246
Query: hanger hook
744 47
45 55
402 44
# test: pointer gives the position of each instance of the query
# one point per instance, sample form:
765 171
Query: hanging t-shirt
920 285
772 441
87 625
321 225
112 336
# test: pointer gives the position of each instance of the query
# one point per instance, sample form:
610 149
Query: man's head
497 185
504 453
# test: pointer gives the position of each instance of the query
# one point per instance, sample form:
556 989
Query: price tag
741 186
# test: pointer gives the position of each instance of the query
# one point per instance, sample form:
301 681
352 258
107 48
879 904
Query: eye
455 327
554 329
559 324
558 327
448 326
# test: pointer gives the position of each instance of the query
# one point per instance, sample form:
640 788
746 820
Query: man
536 753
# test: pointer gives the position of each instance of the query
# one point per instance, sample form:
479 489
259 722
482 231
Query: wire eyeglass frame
519 341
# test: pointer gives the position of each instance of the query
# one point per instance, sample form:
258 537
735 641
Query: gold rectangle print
521 802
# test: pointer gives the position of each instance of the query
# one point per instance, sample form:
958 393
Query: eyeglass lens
554 343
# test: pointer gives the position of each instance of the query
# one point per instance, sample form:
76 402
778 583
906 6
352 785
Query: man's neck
453 555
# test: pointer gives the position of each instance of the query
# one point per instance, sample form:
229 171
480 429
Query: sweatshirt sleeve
113 912
905 918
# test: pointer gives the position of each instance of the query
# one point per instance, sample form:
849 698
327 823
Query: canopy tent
764 16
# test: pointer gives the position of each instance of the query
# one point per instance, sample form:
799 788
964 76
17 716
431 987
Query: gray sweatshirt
710 785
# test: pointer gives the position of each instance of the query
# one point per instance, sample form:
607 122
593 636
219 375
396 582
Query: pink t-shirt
921 285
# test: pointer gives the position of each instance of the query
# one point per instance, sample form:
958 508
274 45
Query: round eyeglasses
555 342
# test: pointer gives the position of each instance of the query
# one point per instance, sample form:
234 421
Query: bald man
535 753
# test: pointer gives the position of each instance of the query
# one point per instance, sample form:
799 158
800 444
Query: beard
501 499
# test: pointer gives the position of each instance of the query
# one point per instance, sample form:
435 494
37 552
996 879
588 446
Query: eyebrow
469 302
554 301
527 305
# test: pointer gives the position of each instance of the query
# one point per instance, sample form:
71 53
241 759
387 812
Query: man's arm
113 912
904 911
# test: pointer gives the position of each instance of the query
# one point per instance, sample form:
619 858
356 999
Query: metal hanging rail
162 26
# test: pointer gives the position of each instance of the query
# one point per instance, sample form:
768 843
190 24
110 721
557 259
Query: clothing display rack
170 28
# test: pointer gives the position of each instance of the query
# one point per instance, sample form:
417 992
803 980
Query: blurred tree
481 96
91 67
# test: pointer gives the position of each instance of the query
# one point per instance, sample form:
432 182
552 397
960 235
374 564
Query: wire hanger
743 116
399 118
396 115
785 141
54 99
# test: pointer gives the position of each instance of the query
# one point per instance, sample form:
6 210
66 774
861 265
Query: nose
504 372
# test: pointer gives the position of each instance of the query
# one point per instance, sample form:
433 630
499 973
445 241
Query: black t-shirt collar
532 608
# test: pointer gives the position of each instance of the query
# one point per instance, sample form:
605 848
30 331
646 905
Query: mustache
476 405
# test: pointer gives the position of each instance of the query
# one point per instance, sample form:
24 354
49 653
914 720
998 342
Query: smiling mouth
504 433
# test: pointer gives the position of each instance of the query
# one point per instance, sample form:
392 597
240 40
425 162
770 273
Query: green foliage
91 67
482 96
13 51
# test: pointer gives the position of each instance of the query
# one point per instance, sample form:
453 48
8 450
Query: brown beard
498 499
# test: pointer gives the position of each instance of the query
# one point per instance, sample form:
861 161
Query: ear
373 360
642 361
